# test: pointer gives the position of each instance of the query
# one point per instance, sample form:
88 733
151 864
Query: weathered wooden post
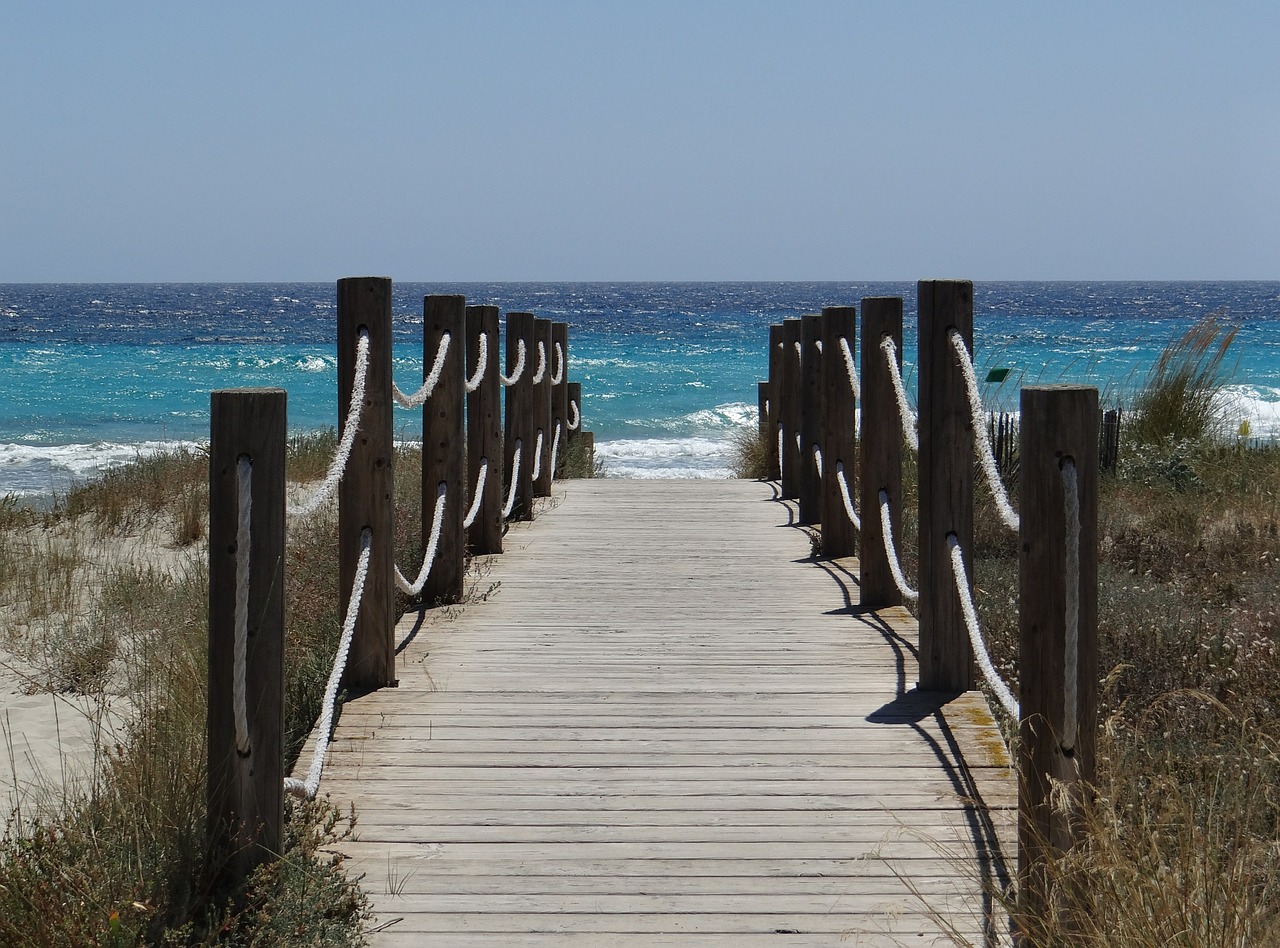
559 394
245 789
518 433
1058 624
811 365
443 441
484 429
365 493
541 431
946 483
881 450
839 431
775 403
789 402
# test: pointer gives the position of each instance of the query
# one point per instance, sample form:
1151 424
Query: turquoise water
95 373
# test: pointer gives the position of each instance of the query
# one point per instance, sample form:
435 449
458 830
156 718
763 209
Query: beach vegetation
750 458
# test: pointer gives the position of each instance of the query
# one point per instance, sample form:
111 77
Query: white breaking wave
38 469
667 458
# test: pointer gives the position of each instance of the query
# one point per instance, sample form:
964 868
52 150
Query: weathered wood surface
670 727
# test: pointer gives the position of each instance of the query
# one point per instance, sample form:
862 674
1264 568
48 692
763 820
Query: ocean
95 374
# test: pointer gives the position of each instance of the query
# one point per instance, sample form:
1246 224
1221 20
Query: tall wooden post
484 429
542 406
365 493
775 402
443 443
881 454
946 484
245 790
575 411
811 366
839 431
559 393
789 401
519 418
1058 658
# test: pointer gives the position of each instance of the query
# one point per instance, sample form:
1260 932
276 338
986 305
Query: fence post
789 402
484 429
245 788
542 408
946 483
365 493
519 417
881 454
775 402
443 440
810 397
1058 658
839 431
763 425
560 393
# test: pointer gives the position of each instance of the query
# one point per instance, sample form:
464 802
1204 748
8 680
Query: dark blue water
95 373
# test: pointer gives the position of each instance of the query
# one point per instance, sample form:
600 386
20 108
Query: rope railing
428 387
849 368
976 640
514 377
558 375
482 364
542 364
307 787
910 423
817 460
891 551
849 509
982 444
555 449
537 456
575 416
477 495
429 554
343 453
515 481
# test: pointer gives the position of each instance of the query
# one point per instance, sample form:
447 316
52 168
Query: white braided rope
478 496
799 446
515 480
817 344
844 495
891 551
307 788
240 646
799 351
981 443
558 376
429 554
482 364
1071 666
909 422
817 460
348 440
975 633
781 443
542 364
508 380
555 449
854 385
537 456
575 415
419 398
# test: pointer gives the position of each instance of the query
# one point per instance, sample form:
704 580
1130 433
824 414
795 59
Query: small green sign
997 375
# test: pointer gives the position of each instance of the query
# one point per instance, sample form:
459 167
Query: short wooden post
881 454
517 431
575 409
775 402
811 363
365 493
839 431
559 394
946 484
1058 659
484 430
245 789
789 402
443 444
543 358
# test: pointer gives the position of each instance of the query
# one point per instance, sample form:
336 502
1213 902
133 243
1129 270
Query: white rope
349 430
799 351
558 376
514 377
844 495
780 446
982 444
817 460
419 398
909 423
1071 667
891 552
240 646
537 456
429 555
542 364
307 788
482 364
575 415
817 344
515 479
854 385
478 496
975 634
555 448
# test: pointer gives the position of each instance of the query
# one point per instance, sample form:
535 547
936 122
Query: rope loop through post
575 416
342 455
482 364
424 393
429 554
558 375
542 366
976 640
515 481
477 496
982 443
910 424
891 551
509 380
849 368
844 495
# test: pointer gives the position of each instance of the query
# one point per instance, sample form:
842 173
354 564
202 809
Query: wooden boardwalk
669 726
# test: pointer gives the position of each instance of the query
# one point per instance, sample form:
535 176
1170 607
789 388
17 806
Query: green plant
1179 400
750 455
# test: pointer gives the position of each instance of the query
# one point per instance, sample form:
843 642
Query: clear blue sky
639 140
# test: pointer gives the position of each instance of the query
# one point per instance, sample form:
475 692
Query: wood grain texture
669 726
881 454
444 447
